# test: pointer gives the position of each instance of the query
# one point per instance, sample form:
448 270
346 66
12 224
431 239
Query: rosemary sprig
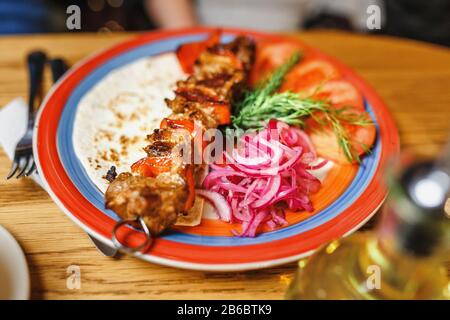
290 108
263 104
268 87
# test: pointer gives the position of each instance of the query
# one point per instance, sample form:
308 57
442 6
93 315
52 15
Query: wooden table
412 77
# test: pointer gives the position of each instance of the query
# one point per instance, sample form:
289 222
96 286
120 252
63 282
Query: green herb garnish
268 87
264 103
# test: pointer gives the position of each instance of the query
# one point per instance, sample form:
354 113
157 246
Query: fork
23 162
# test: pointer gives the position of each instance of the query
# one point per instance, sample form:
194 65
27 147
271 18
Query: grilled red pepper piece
222 113
177 124
152 166
188 53
190 181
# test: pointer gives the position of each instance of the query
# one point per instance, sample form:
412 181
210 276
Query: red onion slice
264 169
221 205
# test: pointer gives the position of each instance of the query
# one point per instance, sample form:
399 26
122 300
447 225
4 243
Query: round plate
350 197
14 277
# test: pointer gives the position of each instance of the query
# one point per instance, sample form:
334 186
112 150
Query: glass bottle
403 258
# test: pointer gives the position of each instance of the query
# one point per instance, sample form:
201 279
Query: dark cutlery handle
36 62
59 67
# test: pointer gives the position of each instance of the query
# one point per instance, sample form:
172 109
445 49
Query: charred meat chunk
157 201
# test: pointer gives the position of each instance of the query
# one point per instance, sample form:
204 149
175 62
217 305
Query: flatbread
194 216
115 116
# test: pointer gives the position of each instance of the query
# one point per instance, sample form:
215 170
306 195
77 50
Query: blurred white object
12 127
14 277
279 15
354 10
254 14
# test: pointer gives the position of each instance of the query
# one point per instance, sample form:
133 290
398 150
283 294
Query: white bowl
14 276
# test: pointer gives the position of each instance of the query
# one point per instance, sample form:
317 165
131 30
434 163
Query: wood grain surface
412 77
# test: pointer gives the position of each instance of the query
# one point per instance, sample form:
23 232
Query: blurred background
417 19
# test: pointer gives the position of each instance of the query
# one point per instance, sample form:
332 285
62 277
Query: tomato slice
326 143
269 56
188 53
307 76
340 93
152 166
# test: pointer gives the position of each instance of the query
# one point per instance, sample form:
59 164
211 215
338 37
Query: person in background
39 16
132 15
171 14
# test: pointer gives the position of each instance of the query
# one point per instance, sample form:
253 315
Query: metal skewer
143 227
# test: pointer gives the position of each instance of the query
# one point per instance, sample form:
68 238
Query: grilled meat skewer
161 186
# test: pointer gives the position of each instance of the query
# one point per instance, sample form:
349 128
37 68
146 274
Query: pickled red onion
253 189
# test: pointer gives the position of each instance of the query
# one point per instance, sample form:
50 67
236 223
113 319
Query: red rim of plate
181 255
